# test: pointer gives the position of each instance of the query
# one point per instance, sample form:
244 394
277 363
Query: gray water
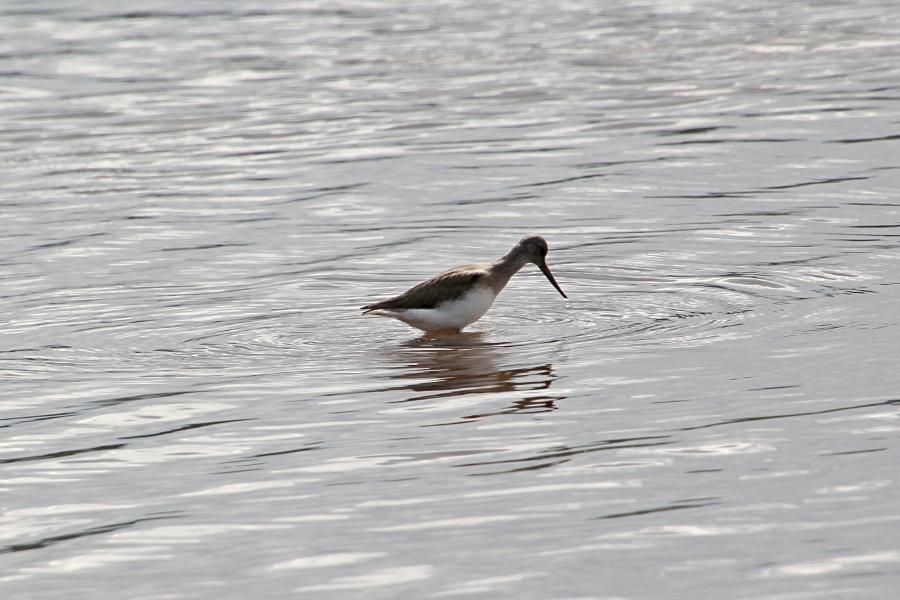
198 196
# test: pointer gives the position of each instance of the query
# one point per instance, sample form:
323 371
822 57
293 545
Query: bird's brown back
447 286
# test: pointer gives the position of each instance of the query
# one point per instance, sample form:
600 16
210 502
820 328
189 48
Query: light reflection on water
197 199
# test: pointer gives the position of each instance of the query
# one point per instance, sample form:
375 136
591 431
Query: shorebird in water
448 302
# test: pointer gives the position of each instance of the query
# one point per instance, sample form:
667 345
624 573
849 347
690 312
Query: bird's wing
428 294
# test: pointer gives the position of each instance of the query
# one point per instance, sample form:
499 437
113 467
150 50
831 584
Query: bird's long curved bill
546 271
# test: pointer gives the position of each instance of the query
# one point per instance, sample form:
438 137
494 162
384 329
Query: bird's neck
504 268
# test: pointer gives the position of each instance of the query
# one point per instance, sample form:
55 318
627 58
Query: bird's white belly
453 314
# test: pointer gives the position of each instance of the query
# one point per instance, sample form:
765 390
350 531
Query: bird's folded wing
428 294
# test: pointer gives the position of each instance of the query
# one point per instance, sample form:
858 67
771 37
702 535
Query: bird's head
533 249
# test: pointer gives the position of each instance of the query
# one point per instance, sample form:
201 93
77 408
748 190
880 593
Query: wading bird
448 302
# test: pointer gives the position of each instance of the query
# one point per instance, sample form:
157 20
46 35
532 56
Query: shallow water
197 198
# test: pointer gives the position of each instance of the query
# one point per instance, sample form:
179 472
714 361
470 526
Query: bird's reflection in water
466 363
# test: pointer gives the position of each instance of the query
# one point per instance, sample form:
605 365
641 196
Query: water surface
197 197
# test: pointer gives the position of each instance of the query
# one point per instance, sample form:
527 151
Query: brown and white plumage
458 297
